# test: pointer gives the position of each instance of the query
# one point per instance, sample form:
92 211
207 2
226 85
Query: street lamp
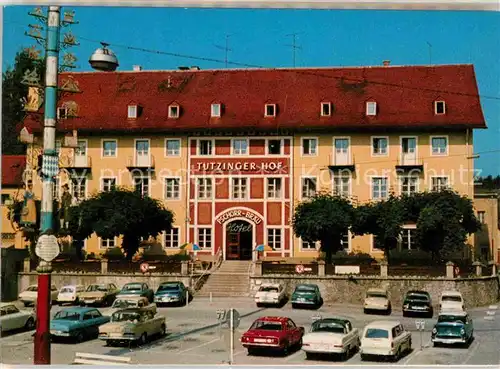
103 59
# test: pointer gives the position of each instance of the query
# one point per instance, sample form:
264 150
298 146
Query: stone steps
231 279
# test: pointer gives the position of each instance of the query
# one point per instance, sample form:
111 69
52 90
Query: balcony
77 164
408 163
342 162
138 162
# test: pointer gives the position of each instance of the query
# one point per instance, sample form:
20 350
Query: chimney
195 67
386 63
137 68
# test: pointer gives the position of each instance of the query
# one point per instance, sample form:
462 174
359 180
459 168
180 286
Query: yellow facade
10 232
487 240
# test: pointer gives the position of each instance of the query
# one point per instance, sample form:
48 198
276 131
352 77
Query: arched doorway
239 240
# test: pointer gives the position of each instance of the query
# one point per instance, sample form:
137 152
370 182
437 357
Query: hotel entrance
239 238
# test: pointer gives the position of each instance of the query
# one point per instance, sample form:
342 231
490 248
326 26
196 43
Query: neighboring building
12 189
231 152
487 240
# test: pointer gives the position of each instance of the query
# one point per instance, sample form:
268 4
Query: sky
261 37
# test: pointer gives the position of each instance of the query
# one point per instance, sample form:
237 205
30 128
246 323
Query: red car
272 332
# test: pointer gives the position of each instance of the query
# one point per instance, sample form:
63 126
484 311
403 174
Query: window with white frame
409 185
481 216
132 111
439 107
342 184
274 238
107 243
439 145
109 148
308 246
379 146
204 188
326 109
79 187
274 188
215 110
270 110
172 188
108 184
141 185
172 238
274 147
173 147
174 111
408 239
371 108
205 147
240 146
205 238
379 188
309 146
239 188
56 190
439 183
308 187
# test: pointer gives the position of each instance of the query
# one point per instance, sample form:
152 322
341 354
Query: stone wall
479 291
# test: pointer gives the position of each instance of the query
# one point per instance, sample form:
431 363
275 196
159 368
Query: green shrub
344 258
411 257
114 253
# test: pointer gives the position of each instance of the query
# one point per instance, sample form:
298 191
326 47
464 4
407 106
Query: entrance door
341 151
409 148
233 246
142 153
239 238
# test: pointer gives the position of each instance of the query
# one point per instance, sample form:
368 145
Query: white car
12 318
385 338
451 300
270 294
30 294
377 299
331 336
70 294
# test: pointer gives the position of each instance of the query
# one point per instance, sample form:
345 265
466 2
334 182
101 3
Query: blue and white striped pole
49 170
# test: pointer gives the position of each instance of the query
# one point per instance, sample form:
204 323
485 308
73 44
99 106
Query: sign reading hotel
239 214
249 166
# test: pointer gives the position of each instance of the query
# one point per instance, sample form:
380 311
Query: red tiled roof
405 98
12 169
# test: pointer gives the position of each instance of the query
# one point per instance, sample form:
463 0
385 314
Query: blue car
171 293
77 323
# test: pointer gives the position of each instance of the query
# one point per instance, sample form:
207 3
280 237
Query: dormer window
326 109
62 113
371 108
270 110
439 107
174 111
132 111
215 110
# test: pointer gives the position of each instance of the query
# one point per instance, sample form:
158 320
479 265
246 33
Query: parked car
453 327
418 302
12 318
274 333
99 294
451 300
377 299
385 338
137 289
129 302
331 336
70 294
77 323
306 295
171 292
132 325
270 294
30 294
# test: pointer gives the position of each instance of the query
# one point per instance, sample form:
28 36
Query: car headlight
434 331
269 340
462 332
406 306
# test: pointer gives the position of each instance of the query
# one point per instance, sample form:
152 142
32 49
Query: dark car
137 289
418 303
172 293
306 295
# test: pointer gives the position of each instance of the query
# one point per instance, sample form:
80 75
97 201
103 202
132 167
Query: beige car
130 302
377 300
132 325
30 295
99 294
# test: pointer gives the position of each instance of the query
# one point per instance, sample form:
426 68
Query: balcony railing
77 164
341 162
408 163
140 162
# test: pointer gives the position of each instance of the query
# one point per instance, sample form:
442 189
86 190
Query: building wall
10 234
488 239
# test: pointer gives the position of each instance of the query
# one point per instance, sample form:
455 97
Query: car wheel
435 344
365 311
397 356
252 351
80 337
364 357
309 356
163 330
259 305
30 324
294 306
143 339
405 314
389 310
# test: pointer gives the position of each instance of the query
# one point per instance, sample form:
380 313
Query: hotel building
231 152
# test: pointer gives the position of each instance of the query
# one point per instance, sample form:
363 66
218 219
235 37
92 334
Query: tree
324 218
120 213
13 91
488 183
383 219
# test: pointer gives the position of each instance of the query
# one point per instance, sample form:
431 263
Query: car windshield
376 294
305 289
451 318
451 298
417 297
67 315
132 287
67 290
122 304
169 287
268 289
326 326
376 333
32 288
125 317
96 288
266 326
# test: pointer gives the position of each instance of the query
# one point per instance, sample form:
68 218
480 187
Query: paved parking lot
194 338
